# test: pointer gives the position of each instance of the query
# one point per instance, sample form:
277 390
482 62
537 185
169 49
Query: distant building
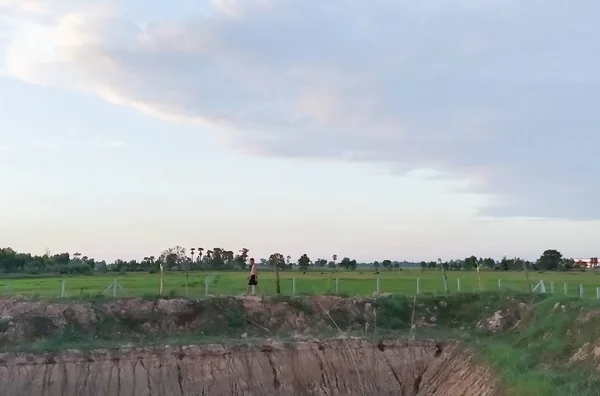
587 262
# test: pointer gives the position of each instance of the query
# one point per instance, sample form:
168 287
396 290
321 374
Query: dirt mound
589 352
505 319
342 367
26 320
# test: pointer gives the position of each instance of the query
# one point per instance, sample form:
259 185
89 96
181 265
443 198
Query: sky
386 129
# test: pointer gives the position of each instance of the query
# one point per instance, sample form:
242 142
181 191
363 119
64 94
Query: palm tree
185 269
209 257
228 255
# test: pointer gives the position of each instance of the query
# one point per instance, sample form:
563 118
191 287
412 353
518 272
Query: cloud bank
497 91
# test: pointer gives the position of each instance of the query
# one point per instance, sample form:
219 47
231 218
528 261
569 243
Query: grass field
313 282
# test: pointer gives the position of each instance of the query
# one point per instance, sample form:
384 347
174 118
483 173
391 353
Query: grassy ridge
534 360
313 282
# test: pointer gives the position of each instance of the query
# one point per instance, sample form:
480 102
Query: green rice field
313 282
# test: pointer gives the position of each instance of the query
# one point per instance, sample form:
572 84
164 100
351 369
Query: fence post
581 291
458 285
206 286
445 284
598 293
552 287
378 285
337 285
418 286
293 286
499 284
566 289
62 288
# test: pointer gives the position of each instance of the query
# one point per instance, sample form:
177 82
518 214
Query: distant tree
489 263
215 258
321 262
353 265
173 258
240 259
345 263
550 260
277 262
228 256
566 264
387 264
506 264
101 267
149 264
455 265
470 263
200 253
348 264
186 265
304 262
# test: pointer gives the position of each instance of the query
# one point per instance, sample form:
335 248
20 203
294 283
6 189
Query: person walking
252 277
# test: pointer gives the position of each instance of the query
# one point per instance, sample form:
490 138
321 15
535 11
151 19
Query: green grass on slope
534 360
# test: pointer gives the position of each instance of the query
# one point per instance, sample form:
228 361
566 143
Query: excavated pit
336 367
249 358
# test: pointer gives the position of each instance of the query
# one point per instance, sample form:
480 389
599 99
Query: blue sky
383 129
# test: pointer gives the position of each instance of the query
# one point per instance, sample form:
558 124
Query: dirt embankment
242 366
27 320
341 367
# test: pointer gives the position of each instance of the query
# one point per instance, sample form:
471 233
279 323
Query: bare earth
339 367
345 366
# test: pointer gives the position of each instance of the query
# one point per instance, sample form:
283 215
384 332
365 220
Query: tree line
198 259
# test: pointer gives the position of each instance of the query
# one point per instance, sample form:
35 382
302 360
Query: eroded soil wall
341 367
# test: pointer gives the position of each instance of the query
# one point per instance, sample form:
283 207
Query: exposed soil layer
30 320
23 320
340 367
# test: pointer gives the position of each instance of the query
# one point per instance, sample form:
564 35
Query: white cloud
63 144
36 6
114 144
501 92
